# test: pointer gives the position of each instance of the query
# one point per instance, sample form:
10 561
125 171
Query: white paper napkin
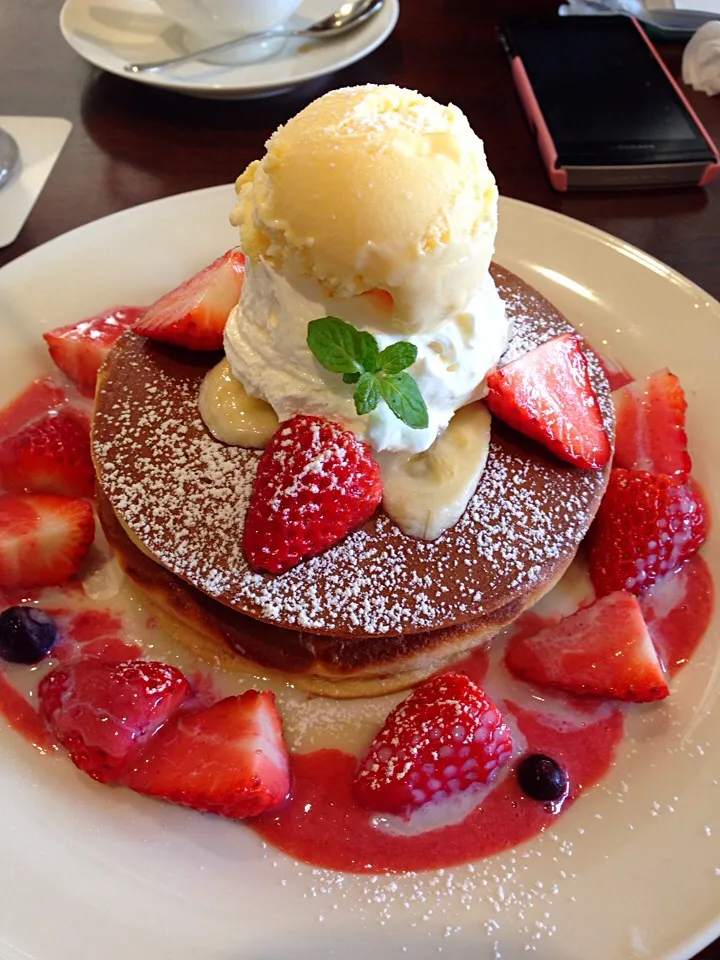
40 140
701 59
591 7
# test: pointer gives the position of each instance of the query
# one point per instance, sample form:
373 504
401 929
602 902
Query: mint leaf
397 356
337 345
367 394
402 395
340 348
368 352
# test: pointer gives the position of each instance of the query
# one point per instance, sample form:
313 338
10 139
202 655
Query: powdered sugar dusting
185 494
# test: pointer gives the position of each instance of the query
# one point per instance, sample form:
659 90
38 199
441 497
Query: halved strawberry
648 524
650 423
445 737
314 483
603 650
51 455
228 759
193 315
80 348
546 394
38 398
43 538
103 712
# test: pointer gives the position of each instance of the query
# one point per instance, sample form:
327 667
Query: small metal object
9 156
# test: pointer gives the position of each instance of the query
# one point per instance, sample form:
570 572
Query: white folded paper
40 140
701 59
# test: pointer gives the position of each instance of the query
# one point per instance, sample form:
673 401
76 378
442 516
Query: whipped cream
701 59
265 345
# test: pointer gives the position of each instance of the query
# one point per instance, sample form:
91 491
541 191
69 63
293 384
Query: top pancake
184 494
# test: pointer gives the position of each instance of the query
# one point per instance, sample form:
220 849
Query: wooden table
131 143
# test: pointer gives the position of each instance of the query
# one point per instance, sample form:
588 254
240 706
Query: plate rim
623 247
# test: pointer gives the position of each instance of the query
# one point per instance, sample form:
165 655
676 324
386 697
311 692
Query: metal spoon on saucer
348 17
9 156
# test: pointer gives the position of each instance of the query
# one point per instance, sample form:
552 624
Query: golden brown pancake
341 667
379 604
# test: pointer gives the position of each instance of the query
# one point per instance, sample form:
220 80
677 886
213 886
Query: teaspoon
348 17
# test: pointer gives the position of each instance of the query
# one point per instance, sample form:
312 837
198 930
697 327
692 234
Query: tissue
701 59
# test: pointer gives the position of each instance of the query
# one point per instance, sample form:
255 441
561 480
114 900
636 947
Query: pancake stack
377 611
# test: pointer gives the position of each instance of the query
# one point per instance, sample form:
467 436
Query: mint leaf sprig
378 374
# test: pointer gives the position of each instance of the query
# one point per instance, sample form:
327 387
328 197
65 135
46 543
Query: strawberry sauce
92 633
677 612
22 717
323 825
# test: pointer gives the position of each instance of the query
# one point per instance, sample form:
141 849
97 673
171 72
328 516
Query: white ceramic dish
631 870
112 33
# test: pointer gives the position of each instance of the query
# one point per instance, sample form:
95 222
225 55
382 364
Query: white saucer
111 33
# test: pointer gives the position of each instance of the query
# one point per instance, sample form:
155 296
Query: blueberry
541 777
26 634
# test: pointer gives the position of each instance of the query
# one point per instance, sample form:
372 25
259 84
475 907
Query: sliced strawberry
603 650
650 423
193 315
546 395
43 538
51 455
314 483
79 349
38 398
229 758
648 524
103 712
445 737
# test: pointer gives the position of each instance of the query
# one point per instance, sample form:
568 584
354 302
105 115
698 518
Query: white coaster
40 140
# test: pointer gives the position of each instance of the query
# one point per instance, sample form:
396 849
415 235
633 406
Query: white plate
631 870
111 33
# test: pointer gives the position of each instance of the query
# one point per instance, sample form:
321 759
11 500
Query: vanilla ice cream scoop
375 187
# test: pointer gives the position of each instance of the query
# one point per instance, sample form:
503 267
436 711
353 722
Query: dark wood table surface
131 143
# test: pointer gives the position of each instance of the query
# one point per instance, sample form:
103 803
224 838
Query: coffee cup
214 21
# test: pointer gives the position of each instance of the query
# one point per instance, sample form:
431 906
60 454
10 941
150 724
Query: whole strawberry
648 524
314 483
446 736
